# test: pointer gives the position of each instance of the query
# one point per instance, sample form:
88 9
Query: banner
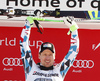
85 67
67 5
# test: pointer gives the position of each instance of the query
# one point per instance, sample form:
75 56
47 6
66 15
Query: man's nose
47 57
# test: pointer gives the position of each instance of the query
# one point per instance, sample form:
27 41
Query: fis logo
94 46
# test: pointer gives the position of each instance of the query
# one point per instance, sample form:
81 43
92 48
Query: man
45 70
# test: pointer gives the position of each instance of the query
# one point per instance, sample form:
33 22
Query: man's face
47 58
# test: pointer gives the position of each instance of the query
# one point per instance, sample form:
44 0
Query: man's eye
44 54
50 55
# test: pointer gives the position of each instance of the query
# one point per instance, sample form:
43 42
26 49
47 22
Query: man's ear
39 56
54 56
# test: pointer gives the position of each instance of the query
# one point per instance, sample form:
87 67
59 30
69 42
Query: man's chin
47 65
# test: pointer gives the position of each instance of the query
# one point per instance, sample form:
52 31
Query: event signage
66 5
86 63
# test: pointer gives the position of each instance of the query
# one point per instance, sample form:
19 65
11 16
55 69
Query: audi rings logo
83 64
12 61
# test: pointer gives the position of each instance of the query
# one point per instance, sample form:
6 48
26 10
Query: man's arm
25 50
74 48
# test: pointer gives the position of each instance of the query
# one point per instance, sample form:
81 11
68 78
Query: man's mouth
47 61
